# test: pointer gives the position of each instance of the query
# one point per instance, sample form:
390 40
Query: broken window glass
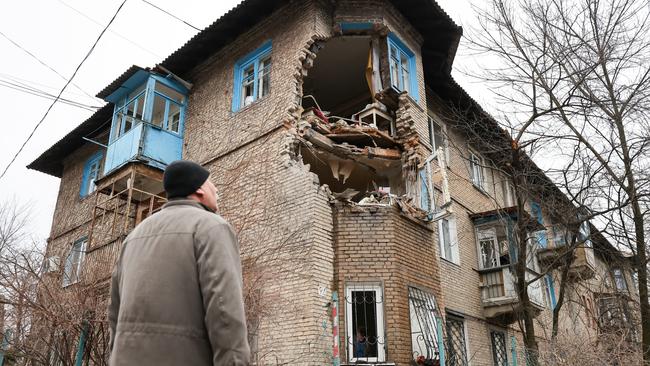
248 86
487 240
402 66
252 77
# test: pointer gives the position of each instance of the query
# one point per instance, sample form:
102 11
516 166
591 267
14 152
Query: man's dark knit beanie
183 177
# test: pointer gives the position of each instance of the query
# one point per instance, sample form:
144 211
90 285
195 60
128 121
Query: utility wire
62 90
43 94
111 31
43 63
171 15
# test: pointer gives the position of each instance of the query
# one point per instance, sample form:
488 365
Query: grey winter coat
176 292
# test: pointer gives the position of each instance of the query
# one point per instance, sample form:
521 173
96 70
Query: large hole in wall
350 138
337 80
343 175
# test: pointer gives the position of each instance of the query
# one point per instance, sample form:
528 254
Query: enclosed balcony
497 248
148 119
584 262
499 293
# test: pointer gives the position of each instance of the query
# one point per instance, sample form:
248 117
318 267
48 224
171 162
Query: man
176 292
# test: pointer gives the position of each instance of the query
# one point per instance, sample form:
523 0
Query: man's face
209 195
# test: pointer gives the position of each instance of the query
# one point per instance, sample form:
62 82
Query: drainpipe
441 341
336 357
5 345
82 345
513 348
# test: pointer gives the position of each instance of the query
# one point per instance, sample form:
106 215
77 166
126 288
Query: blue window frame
252 77
157 101
550 291
401 59
91 172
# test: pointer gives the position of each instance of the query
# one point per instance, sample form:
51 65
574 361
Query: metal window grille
499 350
365 338
424 312
456 347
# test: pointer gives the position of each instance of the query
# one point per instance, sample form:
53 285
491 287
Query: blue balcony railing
146 143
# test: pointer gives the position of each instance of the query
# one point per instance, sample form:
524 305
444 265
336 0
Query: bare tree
574 77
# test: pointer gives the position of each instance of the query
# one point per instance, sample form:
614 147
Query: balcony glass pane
169 93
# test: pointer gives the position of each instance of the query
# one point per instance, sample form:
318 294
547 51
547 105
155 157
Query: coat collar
184 202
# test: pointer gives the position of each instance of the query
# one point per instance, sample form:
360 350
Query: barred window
364 317
499 350
456 346
424 324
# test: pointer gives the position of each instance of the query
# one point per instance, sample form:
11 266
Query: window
499 350
167 108
402 67
426 194
559 236
531 256
436 136
550 291
476 170
74 262
424 317
584 233
364 318
619 280
456 341
540 235
447 237
252 77
508 193
92 171
493 245
129 111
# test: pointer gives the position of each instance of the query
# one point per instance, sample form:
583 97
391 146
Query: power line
43 63
44 94
112 31
171 15
62 90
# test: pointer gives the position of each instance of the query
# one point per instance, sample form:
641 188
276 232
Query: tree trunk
530 342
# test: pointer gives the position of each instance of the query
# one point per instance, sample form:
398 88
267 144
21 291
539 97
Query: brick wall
380 245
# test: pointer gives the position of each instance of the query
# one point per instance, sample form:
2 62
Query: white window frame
72 270
379 311
452 253
431 121
487 232
476 166
621 277
508 192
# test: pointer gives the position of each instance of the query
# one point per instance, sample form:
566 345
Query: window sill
247 107
445 260
480 189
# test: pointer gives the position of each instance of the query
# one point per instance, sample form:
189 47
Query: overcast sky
60 33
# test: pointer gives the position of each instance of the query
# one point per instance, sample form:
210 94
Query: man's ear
200 192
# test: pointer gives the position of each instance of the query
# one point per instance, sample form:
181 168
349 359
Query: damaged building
372 229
